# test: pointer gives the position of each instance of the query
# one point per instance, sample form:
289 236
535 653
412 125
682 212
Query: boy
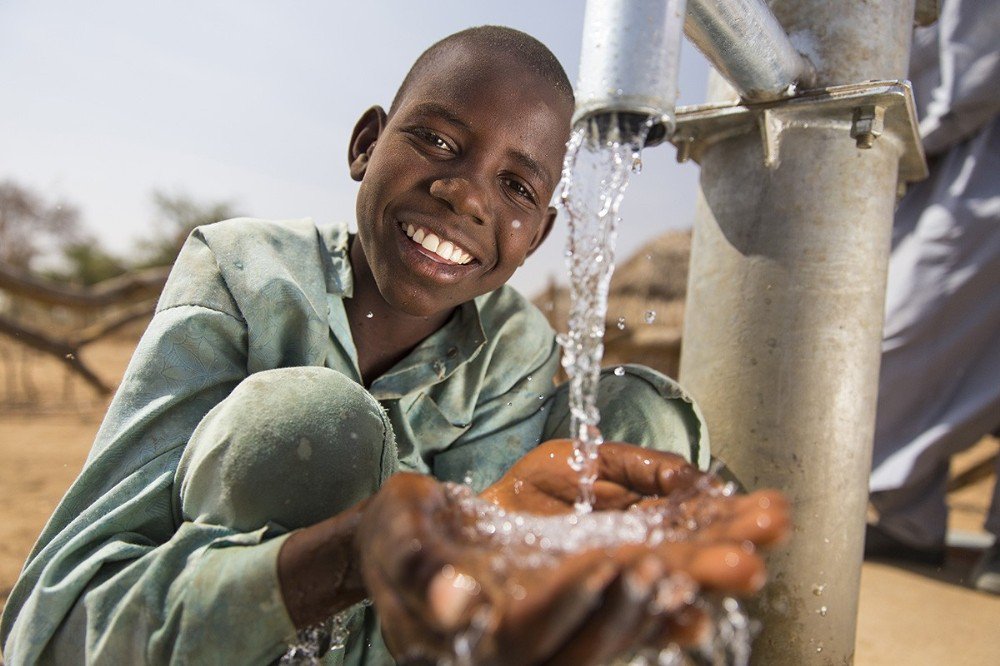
238 487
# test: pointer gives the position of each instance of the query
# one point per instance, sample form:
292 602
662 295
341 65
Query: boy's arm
137 584
117 576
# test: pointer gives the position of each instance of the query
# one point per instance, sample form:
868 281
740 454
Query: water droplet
636 163
71 356
516 224
818 589
370 314
822 611
238 264
510 404
621 323
650 316
620 371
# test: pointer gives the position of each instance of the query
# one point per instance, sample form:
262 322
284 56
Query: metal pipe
746 44
783 324
629 62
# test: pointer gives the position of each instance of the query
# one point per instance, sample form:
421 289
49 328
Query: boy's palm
433 584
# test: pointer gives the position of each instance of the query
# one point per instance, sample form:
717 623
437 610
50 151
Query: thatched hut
645 305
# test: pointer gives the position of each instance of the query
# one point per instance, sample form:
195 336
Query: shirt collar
435 358
335 242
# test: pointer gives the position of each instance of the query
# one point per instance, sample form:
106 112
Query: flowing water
595 174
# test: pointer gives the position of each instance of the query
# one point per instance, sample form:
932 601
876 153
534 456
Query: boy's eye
519 189
429 137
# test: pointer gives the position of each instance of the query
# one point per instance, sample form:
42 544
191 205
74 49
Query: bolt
684 149
867 125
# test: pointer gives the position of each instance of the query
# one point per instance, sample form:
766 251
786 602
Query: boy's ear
543 230
366 132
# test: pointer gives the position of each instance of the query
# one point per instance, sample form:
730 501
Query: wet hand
433 584
542 482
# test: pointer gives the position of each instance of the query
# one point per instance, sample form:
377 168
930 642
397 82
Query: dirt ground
914 615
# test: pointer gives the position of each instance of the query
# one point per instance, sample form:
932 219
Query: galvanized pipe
746 44
784 323
629 61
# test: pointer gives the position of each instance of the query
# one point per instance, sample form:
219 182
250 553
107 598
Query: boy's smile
455 184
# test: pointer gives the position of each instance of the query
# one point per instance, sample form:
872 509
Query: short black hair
528 50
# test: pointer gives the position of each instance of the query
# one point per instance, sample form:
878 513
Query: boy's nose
462 196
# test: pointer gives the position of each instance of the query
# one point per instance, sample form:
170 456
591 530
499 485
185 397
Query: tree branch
139 284
63 350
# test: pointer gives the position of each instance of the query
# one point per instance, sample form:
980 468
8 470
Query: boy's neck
382 335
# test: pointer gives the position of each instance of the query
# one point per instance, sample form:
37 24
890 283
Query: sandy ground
914 615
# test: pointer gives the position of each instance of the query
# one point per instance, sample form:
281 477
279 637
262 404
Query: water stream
595 174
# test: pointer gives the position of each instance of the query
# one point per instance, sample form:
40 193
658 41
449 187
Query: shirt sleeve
116 576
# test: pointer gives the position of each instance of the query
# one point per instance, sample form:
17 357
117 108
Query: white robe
939 390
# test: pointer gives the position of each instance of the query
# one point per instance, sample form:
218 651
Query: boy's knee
289 447
641 406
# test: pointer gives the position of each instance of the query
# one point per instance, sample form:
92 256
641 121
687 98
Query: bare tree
27 223
177 215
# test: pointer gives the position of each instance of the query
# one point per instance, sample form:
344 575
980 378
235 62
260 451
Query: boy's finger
761 518
645 471
621 622
552 608
725 567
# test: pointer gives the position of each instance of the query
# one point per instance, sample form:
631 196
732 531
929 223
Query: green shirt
246 296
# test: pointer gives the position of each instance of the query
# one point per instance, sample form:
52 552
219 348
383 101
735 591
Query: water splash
527 541
595 175
313 643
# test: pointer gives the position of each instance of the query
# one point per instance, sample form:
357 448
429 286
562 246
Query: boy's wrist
319 568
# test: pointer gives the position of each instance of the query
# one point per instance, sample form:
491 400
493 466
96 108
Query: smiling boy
239 486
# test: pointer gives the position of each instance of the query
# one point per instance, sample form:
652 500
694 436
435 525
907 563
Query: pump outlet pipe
746 44
628 67
631 51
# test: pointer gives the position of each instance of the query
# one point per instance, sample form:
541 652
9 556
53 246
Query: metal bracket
864 111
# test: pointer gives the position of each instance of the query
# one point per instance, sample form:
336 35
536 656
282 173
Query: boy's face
471 156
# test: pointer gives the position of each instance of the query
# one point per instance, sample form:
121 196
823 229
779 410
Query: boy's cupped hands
441 590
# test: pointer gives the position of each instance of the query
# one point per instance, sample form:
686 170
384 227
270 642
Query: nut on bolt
868 123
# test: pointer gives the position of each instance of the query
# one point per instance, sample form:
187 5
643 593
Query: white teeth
430 242
445 249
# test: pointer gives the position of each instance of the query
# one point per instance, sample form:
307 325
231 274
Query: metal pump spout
628 69
627 89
